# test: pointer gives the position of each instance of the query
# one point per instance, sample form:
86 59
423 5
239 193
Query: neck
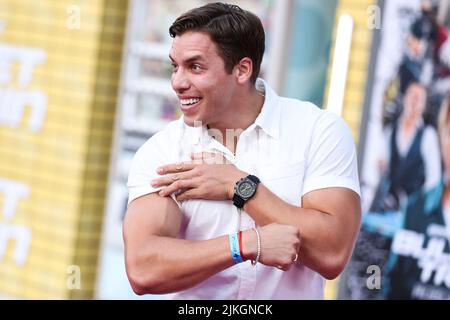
242 112
409 122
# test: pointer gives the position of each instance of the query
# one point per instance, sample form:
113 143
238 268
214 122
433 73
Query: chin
191 121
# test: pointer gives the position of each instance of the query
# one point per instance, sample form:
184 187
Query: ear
243 70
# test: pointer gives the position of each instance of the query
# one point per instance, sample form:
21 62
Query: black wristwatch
244 189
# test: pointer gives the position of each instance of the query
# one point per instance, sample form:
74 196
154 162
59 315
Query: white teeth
189 101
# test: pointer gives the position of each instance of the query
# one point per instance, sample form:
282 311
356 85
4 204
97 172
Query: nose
180 81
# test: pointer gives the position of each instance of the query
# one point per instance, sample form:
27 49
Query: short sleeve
331 159
143 170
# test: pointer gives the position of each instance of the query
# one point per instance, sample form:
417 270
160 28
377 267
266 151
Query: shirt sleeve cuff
139 191
330 182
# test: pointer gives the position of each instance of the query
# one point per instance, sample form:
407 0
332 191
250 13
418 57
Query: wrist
249 245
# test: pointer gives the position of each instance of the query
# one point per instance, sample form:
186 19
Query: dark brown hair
237 33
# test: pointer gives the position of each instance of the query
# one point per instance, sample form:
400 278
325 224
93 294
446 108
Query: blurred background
84 83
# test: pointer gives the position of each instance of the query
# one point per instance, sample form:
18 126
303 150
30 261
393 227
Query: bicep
151 215
341 203
333 233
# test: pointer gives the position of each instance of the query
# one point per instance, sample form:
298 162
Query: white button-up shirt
294 148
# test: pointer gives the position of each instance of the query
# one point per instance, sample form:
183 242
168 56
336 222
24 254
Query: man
240 159
419 267
409 160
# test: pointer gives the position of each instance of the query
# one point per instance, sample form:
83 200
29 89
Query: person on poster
416 65
412 150
419 265
409 29
426 60
267 205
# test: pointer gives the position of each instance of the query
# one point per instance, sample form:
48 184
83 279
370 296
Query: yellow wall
356 77
58 164
359 59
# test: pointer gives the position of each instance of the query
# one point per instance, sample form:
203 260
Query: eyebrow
189 60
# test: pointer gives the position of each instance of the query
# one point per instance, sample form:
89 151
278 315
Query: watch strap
254 179
238 201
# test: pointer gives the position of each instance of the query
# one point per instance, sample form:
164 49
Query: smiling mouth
189 103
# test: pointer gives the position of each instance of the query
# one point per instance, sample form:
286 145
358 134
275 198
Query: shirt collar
419 123
269 117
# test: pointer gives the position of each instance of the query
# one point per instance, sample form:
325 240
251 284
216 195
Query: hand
382 165
209 176
280 245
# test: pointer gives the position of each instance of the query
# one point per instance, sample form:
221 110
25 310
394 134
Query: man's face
199 78
414 101
416 46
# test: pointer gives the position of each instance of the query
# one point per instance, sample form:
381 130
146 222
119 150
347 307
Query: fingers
178 185
186 195
176 167
288 263
284 268
288 239
209 158
198 158
168 179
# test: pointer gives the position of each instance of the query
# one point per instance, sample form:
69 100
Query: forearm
168 265
325 243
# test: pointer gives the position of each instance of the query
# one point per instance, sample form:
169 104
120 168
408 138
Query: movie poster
402 251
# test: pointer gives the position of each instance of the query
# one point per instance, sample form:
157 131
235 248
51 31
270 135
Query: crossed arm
156 261
323 231
328 223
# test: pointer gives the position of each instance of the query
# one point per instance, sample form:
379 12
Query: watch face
246 189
